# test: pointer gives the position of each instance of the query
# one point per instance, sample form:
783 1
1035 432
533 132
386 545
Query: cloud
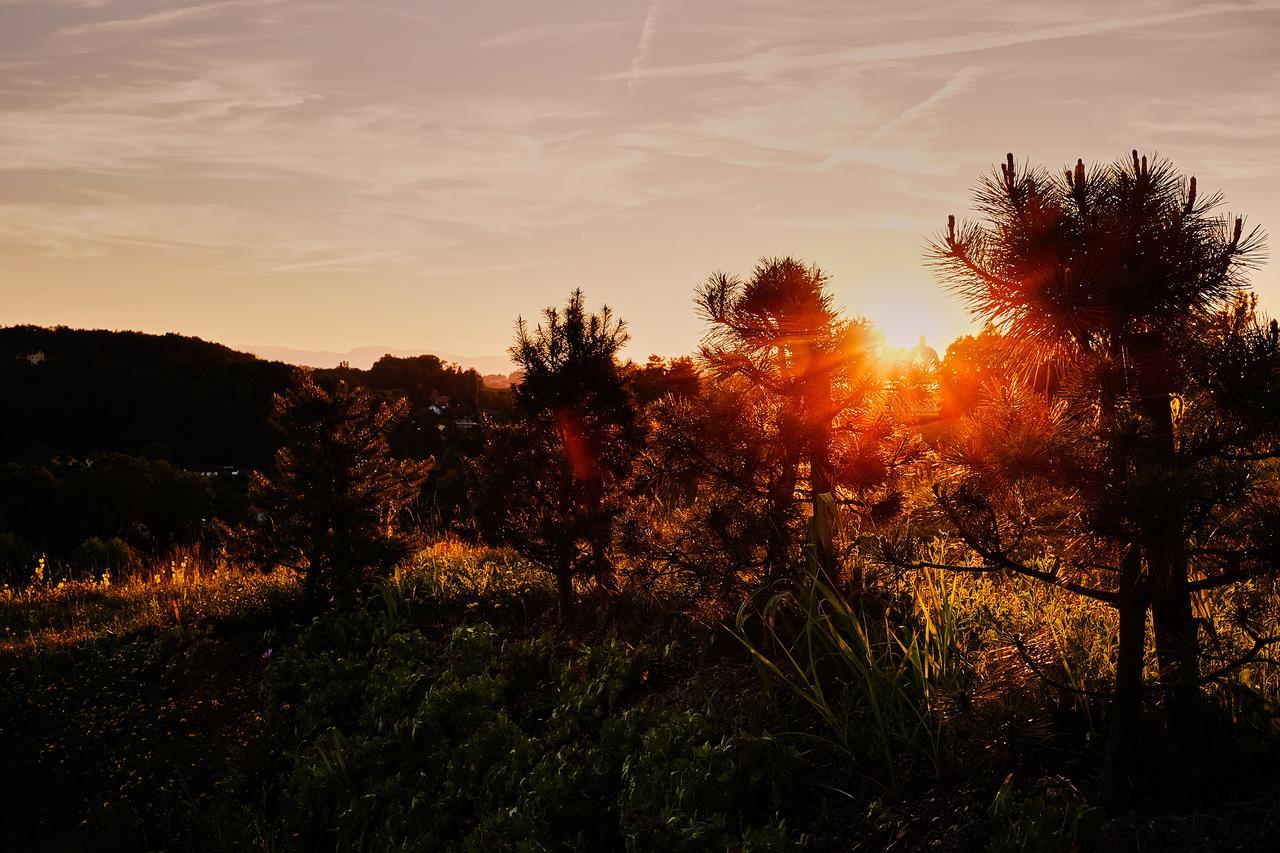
347 262
345 144
641 58
221 237
960 82
567 32
155 19
897 222
81 4
394 12
775 62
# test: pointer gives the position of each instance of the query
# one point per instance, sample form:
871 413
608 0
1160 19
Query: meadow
190 708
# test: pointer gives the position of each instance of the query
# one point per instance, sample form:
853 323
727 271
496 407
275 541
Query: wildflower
266 655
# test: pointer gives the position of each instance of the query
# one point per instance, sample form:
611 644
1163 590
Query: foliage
126 701
1141 475
66 512
876 677
568 451
333 505
482 740
716 502
777 334
461 724
1055 818
201 404
659 378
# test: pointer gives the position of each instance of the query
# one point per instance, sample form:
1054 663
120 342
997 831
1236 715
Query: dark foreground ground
450 715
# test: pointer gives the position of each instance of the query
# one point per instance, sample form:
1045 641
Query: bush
17 559
94 556
476 741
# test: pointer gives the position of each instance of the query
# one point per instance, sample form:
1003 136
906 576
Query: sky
344 173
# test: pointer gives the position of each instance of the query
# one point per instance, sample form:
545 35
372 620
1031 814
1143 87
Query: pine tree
778 334
1140 477
549 483
333 503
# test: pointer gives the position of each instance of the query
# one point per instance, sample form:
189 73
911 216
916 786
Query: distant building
923 354
36 357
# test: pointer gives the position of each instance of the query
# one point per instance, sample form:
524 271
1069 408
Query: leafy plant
875 676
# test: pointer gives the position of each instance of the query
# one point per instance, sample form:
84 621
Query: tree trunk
817 415
585 480
1177 649
564 591
601 566
1173 625
1125 740
780 498
311 582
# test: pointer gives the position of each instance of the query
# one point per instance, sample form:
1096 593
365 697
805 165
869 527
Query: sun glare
902 322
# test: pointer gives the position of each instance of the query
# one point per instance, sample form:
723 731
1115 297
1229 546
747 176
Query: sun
902 321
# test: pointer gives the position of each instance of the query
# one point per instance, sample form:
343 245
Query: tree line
117 447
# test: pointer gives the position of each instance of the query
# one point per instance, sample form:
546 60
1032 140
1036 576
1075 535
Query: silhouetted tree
778 332
549 482
150 504
1142 478
660 377
527 495
717 508
333 504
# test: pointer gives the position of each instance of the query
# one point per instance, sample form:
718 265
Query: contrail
958 83
642 48
777 63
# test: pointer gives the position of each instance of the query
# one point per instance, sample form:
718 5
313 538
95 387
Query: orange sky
341 173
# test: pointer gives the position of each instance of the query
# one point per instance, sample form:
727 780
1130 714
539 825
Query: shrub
94 556
476 741
17 559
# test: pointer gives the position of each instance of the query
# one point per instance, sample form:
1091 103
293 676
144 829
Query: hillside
76 391
363 358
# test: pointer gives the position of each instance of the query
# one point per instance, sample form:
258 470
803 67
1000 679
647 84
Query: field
190 709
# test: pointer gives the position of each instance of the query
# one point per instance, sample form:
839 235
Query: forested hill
73 391
200 404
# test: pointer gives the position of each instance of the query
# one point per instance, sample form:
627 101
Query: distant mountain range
364 357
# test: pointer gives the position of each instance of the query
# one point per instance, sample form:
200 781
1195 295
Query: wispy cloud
958 83
81 4
776 62
565 32
370 152
393 11
641 58
153 19
359 261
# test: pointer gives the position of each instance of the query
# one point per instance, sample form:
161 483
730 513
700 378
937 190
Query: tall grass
52 612
877 674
